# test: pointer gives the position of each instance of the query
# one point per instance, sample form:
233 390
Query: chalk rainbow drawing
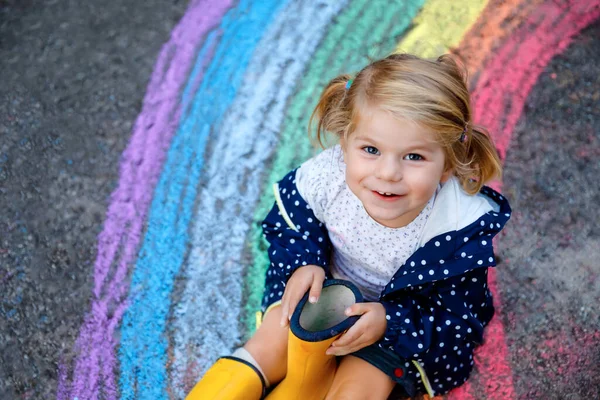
180 263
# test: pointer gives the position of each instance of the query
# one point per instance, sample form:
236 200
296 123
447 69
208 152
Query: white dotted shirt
364 251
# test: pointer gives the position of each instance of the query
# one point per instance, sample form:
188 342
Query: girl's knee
270 336
348 391
356 379
356 390
268 346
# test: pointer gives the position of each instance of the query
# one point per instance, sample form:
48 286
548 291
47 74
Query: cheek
356 177
352 167
423 182
352 174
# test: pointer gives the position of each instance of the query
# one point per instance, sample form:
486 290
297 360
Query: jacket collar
462 238
455 209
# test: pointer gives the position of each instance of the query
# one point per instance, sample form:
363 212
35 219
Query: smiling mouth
387 195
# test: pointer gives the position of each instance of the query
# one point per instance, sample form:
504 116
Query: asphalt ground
73 75
549 281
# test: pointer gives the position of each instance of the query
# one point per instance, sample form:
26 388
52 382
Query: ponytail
484 163
332 111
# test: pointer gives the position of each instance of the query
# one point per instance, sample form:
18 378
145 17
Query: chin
385 219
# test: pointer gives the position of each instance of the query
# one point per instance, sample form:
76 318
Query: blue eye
413 157
371 150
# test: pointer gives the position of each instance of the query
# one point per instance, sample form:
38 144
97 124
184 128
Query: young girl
399 209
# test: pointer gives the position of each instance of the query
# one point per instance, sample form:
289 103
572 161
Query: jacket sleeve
438 325
295 236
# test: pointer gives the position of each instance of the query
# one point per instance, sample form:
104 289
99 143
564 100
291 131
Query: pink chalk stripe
498 99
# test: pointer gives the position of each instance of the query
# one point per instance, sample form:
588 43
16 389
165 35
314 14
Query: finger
355 345
349 349
347 338
315 289
293 303
357 309
284 310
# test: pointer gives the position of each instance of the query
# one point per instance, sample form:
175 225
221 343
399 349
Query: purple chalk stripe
142 161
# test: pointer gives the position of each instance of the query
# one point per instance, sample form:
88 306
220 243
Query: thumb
356 309
315 289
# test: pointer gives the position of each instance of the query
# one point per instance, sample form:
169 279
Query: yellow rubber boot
313 327
230 378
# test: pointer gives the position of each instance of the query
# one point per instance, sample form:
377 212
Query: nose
389 169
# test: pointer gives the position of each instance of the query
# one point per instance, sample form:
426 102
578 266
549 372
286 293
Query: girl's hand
304 278
367 330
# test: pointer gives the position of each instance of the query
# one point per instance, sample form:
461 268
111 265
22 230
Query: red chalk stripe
498 102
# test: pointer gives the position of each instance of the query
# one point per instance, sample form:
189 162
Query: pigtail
483 159
332 112
477 160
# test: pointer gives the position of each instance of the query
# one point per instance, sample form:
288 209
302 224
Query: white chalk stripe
206 321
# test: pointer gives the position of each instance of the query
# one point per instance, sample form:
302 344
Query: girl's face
393 166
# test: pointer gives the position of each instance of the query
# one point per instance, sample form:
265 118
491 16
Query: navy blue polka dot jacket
437 303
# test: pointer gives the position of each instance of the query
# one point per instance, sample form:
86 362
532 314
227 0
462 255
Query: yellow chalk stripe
440 26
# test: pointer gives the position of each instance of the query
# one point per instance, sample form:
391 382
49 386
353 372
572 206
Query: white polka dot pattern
437 301
364 252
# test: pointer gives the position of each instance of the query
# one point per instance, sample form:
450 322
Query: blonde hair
432 93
